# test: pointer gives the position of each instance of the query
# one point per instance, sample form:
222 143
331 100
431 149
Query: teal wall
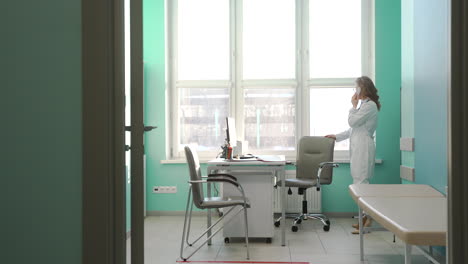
425 69
40 68
335 196
431 71
407 78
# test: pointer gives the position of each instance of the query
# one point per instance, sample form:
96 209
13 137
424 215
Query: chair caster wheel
277 223
226 240
328 222
294 228
299 221
268 240
326 228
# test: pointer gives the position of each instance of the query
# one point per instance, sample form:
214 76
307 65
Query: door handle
149 128
145 128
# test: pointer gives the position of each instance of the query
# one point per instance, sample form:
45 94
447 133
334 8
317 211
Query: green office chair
198 198
314 168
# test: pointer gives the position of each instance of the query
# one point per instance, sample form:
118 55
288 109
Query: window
281 68
202 112
335 103
269 119
268 39
203 46
335 49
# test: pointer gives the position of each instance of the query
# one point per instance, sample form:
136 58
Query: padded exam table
415 213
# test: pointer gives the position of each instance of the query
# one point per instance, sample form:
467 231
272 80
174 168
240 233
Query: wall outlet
164 189
407 144
407 173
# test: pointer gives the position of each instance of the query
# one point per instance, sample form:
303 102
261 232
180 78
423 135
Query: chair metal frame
212 178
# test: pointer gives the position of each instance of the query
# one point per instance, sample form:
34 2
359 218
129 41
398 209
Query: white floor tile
310 244
329 259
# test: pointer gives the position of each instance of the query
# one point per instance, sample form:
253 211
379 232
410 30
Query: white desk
274 165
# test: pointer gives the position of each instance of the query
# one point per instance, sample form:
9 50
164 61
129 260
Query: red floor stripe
238 261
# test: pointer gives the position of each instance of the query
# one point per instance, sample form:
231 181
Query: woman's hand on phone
355 100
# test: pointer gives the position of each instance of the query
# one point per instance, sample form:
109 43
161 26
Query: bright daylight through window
283 69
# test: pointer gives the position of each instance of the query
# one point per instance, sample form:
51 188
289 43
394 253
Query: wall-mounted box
407 173
407 144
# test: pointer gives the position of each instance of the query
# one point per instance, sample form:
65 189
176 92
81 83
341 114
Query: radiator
294 201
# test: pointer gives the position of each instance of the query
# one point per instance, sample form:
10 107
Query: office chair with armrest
314 168
198 198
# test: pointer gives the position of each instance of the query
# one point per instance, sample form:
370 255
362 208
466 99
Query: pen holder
229 152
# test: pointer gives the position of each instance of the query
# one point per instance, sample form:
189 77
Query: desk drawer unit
259 190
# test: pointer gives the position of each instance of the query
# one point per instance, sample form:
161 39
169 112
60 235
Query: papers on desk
270 158
263 158
244 159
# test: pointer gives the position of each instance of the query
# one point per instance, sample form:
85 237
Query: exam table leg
208 189
361 235
283 208
408 248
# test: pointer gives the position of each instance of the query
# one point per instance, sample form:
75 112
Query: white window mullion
331 82
365 29
203 84
304 89
369 40
173 91
233 57
299 62
273 83
238 106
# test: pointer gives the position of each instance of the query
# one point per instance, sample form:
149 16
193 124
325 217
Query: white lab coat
362 122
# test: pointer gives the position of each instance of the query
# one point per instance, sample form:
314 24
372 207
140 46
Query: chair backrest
310 153
195 175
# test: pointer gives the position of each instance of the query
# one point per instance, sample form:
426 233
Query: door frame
103 186
103 117
137 130
457 131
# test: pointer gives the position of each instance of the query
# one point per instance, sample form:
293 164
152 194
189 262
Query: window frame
236 85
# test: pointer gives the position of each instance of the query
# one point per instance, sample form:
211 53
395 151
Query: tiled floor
310 244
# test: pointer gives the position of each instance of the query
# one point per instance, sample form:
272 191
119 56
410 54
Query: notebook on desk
242 159
270 157
265 158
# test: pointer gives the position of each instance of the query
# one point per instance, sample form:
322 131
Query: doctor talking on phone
362 122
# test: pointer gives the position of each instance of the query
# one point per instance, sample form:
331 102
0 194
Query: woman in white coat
362 122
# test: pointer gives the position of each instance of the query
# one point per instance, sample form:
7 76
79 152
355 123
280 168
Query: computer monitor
231 131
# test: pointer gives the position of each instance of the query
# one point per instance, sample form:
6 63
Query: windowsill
204 161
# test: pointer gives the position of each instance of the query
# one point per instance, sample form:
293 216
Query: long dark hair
368 89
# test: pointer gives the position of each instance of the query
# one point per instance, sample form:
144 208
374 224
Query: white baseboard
203 213
176 213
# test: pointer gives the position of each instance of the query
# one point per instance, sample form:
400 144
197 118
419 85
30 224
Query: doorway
104 175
